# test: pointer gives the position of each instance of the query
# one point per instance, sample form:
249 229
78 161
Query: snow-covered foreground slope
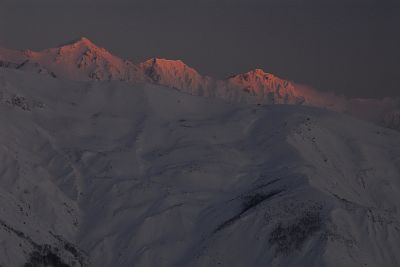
113 174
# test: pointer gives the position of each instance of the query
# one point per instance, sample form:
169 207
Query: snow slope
392 119
115 174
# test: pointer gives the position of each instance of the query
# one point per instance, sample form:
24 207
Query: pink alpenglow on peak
83 60
175 74
80 41
267 88
79 60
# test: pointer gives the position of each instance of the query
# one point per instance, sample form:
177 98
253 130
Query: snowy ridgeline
113 174
82 60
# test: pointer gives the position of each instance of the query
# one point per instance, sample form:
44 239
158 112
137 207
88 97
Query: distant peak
162 61
84 40
258 72
79 41
167 64
252 73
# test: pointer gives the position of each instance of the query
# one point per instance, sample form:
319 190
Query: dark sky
351 47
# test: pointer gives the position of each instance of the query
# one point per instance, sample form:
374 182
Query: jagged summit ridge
82 60
254 72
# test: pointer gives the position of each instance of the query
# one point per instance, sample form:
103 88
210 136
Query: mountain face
265 87
80 60
84 61
174 74
118 174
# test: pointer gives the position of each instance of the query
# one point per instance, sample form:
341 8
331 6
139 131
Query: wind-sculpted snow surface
113 174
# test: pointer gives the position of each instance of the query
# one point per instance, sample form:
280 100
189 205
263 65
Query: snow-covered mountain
119 174
82 60
266 87
174 74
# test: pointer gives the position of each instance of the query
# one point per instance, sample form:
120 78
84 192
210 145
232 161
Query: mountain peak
172 73
161 65
255 74
267 87
81 59
81 41
165 62
84 40
258 71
